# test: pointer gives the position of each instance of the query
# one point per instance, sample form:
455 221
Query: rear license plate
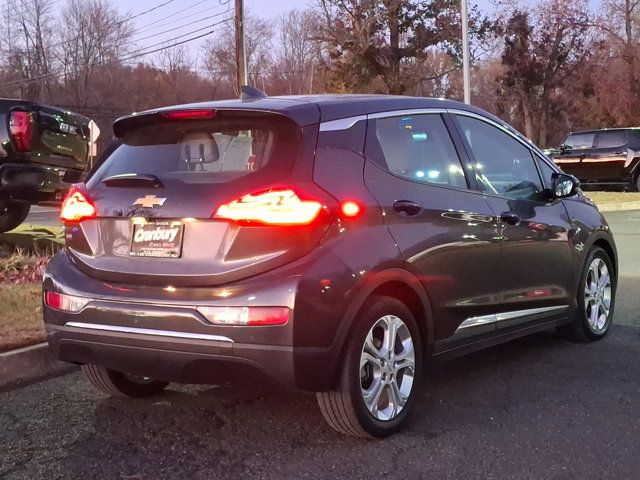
157 239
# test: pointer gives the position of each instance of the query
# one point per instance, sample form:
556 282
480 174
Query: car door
537 259
445 230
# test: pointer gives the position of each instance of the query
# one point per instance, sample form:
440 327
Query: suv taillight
278 206
20 129
77 206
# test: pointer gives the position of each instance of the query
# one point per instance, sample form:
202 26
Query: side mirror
564 185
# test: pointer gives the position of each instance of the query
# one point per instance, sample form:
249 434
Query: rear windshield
205 151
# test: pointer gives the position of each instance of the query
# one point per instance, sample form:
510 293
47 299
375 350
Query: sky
175 19
178 20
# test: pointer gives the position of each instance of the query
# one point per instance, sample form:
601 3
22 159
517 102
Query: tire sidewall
381 307
596 252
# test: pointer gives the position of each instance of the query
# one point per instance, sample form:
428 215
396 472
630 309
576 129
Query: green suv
42 150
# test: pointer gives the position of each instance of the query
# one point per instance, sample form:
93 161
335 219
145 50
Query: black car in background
332 243
42 150
602 158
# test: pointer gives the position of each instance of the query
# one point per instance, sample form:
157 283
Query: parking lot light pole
466 68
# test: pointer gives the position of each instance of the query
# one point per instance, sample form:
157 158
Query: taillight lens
191 114
248 316
77 206
271 207
66 303
20 129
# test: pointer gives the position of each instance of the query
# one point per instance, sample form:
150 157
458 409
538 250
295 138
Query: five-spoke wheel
596 299
380 373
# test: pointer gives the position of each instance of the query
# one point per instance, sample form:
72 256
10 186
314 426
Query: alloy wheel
597 295
387 368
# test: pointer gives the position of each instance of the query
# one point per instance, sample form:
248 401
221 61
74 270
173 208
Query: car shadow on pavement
526 392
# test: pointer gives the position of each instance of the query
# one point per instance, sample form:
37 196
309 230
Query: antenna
251 93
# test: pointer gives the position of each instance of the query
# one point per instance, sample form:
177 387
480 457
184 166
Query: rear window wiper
133 180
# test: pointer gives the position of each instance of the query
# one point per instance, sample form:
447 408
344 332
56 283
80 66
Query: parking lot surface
536 408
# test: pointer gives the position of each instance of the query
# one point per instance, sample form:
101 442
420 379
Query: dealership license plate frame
157 248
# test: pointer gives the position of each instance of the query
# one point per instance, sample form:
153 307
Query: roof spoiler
248 93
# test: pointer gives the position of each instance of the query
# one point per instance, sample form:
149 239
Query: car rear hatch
62 138
198 197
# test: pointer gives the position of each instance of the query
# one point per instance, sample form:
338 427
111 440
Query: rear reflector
350 209
194 114
271 207
66 303
20 129
77 206
246 315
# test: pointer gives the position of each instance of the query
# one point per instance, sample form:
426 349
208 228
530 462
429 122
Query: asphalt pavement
537 408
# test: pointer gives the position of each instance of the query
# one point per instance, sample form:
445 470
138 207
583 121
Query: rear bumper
183 360
33 183
130 329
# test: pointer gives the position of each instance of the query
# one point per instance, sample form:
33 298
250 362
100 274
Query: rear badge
157 239
150 201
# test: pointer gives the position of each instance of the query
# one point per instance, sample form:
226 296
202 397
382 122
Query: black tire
12 214
637 183
580 329
120 385
344 408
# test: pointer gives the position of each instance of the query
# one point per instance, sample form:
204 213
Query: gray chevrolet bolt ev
333 243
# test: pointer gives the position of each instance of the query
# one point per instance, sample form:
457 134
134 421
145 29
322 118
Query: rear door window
611 139
205 151
417 147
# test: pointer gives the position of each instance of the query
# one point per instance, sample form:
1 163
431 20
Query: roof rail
251 93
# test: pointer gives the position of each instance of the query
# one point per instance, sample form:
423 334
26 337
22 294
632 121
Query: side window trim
528 146
443 114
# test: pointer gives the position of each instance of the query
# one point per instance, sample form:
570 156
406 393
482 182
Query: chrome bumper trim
148 331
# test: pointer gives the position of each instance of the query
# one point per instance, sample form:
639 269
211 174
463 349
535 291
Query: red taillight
77 206
20 129
250 316
193 114
271 207
350 209
66 303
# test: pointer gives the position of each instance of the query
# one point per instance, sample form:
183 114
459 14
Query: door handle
510 218
407 208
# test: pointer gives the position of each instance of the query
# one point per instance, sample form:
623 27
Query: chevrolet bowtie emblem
150 201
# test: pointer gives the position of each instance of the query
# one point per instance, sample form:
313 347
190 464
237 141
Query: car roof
598 130
310 109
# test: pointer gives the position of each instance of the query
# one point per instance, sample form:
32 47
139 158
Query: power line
136 54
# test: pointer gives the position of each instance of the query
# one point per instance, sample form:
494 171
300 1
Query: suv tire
120 385
596 300
390 376
12 214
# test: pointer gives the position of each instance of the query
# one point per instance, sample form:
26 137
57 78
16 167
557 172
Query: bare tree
220 58
94 34
296 50
26 46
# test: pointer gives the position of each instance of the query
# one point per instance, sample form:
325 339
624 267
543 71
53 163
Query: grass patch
33 239
21 316
603 198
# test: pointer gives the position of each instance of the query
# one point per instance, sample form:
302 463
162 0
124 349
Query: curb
619 207
29 364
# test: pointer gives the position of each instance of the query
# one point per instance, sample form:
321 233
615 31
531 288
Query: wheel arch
604 241
396 283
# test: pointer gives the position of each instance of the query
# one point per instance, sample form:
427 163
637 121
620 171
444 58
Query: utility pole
466 67
241 57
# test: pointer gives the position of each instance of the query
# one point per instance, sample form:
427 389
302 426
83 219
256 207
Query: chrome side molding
148 331
501 317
